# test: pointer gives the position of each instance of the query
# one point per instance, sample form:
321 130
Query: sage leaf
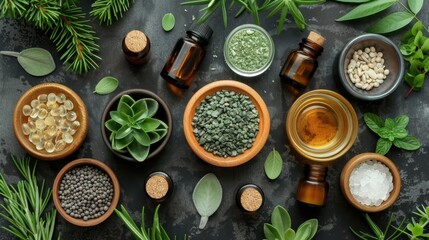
168 22
373 121
415 5
383 146
35 61
106 85
367 9
207 197
280 219
407 143
273 165
392 22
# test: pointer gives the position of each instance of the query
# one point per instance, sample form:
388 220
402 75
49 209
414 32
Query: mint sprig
391 132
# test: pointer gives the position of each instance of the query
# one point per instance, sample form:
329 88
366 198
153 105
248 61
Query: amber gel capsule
301 64
313 188
183 62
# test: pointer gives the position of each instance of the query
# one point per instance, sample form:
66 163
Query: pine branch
74 37
13 8
105 10
43 13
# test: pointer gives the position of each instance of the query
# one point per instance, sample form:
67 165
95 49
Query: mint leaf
407 143
389 124
415 5
373 121
383 146
386 133
400 133
401 122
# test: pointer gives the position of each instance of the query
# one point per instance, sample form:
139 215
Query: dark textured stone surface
178 214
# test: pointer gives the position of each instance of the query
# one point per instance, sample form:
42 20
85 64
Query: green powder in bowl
249 50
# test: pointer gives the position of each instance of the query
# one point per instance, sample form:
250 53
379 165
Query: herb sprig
377 233
391 132
24 205
417 229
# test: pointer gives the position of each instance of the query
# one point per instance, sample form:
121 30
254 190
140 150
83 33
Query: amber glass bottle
313 189
301 64
136 47
183 62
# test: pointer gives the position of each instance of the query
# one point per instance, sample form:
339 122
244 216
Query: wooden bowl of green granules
226 123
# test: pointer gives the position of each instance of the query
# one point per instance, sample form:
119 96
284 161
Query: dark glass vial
158 186
301 64
136 47
249 198
313 188
183 62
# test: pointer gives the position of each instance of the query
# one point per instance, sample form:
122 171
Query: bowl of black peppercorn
85 192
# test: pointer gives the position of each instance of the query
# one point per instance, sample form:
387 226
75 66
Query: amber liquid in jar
313 188
317 126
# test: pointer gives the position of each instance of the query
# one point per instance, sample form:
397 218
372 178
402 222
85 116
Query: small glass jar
249 50
313 189
158 186
249 198
136 47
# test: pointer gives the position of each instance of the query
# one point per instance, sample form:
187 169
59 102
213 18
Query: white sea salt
371 183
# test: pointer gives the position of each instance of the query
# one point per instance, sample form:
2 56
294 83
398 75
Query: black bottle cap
202 31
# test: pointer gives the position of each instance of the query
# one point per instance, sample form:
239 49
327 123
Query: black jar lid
158 186
202 31
250 198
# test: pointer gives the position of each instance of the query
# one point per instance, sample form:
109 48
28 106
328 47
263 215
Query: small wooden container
250 198
159 186
136 47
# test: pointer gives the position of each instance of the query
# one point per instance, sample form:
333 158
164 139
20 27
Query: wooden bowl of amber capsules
50 121
231 139
321 125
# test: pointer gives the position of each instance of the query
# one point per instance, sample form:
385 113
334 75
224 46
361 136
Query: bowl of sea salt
370 182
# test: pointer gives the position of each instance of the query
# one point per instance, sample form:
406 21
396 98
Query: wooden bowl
19 119
261 137
163 114
352 164
56 187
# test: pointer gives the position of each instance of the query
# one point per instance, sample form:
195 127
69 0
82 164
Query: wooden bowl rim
79 108
81 162
105 117
355 161
264 123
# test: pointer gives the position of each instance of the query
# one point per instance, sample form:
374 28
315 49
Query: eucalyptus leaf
367 9
35 61
415 5
168 22
273 165
138 151
392 22
207 196
106 85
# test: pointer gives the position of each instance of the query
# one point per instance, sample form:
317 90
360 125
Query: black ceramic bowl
163 114
393 61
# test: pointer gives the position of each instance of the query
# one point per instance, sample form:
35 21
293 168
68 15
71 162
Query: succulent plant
133 128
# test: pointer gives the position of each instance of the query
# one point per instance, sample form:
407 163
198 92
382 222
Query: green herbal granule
249 50
226 123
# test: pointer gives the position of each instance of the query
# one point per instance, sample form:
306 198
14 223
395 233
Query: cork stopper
136 41
315 37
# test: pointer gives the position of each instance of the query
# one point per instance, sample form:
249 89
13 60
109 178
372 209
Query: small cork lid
317 38
136 41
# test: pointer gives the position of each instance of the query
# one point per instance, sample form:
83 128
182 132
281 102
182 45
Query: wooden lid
315 37
136 41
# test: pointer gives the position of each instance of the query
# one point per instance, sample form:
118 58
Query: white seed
352 64
365 67
358 85
380 76
369 87
372 54
376 84
380 54
372 49
359 52
378 59
352 79
365 85
372 74
371 65
359 72
386 72
367 50
379 81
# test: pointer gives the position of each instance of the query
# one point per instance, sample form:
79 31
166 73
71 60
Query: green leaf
401 121
407 143
289 234
112 125
392 22
417 230
119 117
168 22
138 151
207 196
383 146
400 133
150 124
152 106
313 227
416 81
120 144
367 9
415 5
154 137
142 137
389 124
35 61
353 1
271 233
373 121
273 165
387 133
280 219
106 85
308 2
303 232
123 132
425 46
125 109
127 99
377 231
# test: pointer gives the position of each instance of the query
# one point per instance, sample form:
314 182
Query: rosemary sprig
106 10
378 234
24 205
